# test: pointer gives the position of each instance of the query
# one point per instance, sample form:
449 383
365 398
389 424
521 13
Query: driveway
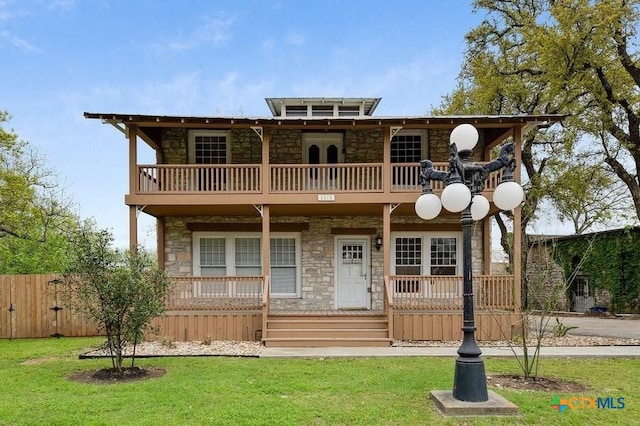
604 327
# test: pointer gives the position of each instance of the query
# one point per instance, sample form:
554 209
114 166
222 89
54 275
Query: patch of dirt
111 375
36 361
544 384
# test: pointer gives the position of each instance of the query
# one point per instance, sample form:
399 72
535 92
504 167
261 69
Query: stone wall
318 255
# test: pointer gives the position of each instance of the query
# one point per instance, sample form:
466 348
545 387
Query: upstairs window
296 110
406 148
208 147
348 110
322 110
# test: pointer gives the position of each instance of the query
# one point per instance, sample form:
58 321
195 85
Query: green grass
252 391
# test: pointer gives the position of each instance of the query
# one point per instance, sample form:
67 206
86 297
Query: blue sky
60 58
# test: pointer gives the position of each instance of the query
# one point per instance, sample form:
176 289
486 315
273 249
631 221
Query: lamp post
463 193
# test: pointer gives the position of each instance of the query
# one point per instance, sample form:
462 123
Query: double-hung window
425 254
226 254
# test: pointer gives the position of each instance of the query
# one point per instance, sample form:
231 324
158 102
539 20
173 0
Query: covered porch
415 308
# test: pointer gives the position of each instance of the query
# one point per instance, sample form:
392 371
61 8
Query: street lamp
464 183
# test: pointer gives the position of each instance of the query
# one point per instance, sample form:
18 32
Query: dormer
322 107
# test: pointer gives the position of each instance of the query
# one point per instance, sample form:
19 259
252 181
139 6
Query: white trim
426 248
366 265
230 254
191 145
322 139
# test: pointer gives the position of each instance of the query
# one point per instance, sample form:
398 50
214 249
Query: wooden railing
388 305
365 177
285 178
445 292
215 293
232 178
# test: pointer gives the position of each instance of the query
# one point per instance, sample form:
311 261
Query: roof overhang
498 127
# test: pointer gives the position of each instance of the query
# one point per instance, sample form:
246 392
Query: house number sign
326 197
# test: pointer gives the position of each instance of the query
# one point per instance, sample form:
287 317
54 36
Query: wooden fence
31 306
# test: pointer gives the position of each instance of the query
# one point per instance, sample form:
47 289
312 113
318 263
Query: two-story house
300 229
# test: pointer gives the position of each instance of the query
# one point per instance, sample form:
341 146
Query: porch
415 308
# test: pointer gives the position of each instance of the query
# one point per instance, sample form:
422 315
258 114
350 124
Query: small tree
120 290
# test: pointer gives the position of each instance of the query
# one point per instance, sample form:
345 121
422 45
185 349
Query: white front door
352 280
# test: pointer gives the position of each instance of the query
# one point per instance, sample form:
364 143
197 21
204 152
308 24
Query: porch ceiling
305 210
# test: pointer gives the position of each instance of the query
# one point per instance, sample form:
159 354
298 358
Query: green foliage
119 290
612 263
35 216
560 329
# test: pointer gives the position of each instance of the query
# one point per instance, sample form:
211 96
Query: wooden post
266 139
386 162
266 267
386 262
132 134
517 225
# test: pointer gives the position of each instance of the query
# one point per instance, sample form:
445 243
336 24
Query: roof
546 239
417 121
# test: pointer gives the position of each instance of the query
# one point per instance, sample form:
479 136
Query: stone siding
318 255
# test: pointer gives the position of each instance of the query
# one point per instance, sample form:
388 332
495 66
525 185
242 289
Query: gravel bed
568 341
254 349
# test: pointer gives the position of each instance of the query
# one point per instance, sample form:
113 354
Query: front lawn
35 389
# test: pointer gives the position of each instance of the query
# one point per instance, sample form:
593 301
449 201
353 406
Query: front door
352 280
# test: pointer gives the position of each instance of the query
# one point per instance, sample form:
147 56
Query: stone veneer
318 289
318 247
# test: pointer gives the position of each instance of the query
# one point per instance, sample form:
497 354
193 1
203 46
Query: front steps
341 330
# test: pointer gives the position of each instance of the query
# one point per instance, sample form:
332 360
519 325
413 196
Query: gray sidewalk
504 351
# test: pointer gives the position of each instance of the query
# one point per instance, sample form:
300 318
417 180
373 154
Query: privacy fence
31 306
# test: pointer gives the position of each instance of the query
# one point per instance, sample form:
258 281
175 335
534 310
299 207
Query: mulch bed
111 375
544 384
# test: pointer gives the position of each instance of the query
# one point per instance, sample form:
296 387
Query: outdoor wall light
378 242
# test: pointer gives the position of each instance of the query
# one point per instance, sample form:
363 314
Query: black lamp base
470 380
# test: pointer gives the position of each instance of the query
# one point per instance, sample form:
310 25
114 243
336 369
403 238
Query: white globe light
428 206
479 207
456 197
508 195
465 136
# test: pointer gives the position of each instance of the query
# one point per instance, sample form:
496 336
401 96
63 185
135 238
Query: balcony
284 179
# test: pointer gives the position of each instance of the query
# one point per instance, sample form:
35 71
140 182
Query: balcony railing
445 292
215 293
196 178
284 178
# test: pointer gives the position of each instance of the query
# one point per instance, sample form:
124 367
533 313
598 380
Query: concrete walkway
560 351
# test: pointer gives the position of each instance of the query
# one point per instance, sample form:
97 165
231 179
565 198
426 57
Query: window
227 254
322 110
212 257
248 260
208 147
348 110
408 262
425 254
406 148
444 256
284 266
296 110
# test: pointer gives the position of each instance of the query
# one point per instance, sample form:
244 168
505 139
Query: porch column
266 139
266 267
132 134
386 240
386 161
517 225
